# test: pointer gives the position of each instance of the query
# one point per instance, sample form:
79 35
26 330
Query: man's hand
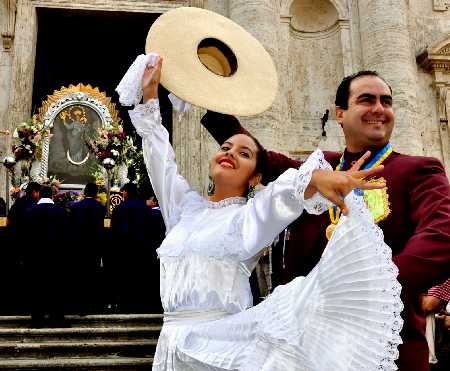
150 80
336 185
432 304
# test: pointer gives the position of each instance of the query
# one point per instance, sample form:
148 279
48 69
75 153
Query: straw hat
212 62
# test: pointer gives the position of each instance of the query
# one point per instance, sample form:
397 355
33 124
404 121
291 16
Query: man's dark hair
131 190
343 90
46 192
32 187
90 190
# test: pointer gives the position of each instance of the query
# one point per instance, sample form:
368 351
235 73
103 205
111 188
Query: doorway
91 47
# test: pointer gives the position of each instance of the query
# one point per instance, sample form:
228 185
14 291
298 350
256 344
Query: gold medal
329 231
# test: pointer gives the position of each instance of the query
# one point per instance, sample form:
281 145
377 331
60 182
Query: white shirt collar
45 200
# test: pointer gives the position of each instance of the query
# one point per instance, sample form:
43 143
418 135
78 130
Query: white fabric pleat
345 315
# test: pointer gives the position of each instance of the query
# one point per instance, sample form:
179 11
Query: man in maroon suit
413 210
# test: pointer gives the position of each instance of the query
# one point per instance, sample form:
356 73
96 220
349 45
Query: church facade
314 44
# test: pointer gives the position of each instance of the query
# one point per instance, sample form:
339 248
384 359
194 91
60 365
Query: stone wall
314 43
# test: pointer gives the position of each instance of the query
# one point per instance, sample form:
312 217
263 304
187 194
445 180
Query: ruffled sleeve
171 189
280 203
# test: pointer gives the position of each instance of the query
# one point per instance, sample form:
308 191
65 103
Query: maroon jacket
417 230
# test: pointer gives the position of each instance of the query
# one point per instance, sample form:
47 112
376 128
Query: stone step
86 348
116 320
79 364
79 333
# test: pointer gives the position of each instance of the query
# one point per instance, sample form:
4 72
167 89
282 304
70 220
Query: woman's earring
251 191
211 187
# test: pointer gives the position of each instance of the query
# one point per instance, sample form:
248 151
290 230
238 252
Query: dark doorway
91 47
96 48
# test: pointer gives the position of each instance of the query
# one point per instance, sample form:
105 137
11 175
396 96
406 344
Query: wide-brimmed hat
212 62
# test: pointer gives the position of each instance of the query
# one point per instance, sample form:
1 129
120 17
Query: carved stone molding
325 34
436 58
441 5
340 5
142 6
7 40
7 31
442 97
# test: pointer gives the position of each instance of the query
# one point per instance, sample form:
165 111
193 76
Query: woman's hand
335 185
150 80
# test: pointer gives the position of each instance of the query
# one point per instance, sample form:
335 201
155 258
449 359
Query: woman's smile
227 163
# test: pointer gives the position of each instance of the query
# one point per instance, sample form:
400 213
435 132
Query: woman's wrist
150 92
311 188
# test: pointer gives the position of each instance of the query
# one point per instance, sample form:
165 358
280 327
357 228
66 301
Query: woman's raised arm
171 189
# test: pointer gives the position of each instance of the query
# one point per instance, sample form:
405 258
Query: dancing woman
345 315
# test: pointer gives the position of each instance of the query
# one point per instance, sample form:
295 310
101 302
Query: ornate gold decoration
80 88
115 200
377 201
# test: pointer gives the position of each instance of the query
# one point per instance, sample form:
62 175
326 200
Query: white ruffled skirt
345 315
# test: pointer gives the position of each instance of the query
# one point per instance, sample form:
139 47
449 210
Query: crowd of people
64 260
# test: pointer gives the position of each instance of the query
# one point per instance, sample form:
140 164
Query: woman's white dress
345 315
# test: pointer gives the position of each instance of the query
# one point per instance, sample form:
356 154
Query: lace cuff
317 204
148 111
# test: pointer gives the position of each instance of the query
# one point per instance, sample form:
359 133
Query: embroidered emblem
377 201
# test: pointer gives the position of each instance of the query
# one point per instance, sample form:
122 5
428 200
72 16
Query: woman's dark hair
261 156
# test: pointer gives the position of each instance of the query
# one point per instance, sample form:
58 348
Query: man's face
369 119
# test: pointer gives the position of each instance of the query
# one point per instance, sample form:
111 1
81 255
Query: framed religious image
74 116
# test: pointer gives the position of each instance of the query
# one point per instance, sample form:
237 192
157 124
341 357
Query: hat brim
175 36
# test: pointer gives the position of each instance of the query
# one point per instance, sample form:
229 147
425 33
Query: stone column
386 48
20 72
7 30
261 18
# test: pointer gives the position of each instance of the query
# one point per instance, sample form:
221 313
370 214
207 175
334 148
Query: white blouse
211 247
